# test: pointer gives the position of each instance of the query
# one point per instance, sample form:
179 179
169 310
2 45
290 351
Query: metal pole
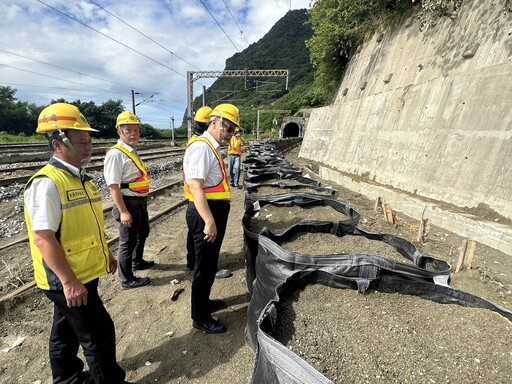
172 130
133 102
204 95
258 125
190 93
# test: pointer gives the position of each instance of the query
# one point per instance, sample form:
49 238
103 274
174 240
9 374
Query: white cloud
107 63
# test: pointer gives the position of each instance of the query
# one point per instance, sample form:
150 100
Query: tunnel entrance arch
291 129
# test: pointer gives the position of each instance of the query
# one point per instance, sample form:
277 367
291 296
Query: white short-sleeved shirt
42 201
200 162
120 169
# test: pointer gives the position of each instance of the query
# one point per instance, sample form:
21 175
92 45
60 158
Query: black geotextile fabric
278 173
285 184
281 273
253 204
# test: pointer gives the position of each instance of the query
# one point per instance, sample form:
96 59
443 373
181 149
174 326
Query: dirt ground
157 344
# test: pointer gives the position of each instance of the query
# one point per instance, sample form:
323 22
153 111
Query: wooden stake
388 214
422 230
378 202
470 255
461 255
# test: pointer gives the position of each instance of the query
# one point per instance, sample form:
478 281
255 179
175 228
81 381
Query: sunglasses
230 128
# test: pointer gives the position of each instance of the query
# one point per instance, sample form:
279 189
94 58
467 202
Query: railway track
162 201
96 165
14 256
38 147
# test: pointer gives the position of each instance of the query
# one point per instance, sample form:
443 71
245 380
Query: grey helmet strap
69 145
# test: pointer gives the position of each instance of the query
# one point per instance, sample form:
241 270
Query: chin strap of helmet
221 129
70 146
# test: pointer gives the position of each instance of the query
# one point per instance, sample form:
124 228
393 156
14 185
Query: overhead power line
240 29
222 29
61 79
67 69
142 33
111 38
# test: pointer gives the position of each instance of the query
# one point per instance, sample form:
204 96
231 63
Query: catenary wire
70 70
240 29
222 29
143 34
111 38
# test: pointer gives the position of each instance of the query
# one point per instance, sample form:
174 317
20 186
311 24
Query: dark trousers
89 326
131 240
191 257
206 255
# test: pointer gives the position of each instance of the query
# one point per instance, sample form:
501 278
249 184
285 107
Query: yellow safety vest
81 233
220 191
235 146
141 184
192 139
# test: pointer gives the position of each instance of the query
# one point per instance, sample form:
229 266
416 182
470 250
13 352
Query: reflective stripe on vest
220 191
141 184
81 233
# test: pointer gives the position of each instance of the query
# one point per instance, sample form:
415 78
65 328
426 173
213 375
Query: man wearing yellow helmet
207 189
128 182
201 122
235 158
67 237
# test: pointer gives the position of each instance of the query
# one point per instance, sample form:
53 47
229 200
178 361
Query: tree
340 26
17 117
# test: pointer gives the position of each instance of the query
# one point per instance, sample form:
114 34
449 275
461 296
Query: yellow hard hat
203 115
62 116
125 118
227 111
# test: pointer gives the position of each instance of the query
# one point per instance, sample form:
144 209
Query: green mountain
283 47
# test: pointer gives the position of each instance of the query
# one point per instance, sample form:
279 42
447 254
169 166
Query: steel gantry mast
245 73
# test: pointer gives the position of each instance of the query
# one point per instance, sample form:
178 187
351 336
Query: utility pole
258 125
172 130
133 99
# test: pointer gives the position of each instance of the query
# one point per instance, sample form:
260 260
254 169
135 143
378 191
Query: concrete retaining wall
427 113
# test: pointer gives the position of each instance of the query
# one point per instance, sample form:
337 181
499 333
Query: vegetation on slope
315 45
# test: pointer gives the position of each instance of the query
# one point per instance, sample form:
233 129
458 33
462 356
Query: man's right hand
126 219
75 293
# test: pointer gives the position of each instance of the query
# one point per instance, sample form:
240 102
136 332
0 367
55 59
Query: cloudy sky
103 49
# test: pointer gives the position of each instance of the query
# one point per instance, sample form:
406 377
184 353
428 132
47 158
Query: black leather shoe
222 273
217 305
209 326
143 265
85 378
136 283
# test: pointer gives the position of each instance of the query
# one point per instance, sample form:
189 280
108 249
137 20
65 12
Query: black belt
212 202
135 197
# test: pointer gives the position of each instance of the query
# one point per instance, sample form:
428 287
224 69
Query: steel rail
23 179
111 241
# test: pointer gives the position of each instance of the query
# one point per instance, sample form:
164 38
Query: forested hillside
283 47
315 45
